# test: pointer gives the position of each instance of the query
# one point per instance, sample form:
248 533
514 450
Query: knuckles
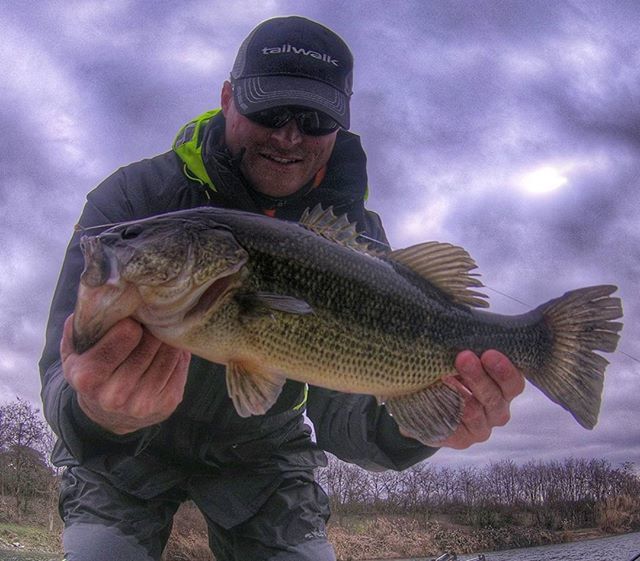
81 380
502 417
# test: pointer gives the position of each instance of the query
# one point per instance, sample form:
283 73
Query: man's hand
488 385
128 380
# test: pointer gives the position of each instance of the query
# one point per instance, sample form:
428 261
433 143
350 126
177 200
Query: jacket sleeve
81 437
356 429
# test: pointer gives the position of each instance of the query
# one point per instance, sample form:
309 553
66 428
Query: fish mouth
97 262
98 309
103 298
214 294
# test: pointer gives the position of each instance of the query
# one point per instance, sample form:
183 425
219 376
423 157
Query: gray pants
105 524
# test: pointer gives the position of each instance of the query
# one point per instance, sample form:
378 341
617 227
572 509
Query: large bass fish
312 302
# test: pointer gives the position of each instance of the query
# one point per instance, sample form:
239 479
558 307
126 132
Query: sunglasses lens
272 118
313 123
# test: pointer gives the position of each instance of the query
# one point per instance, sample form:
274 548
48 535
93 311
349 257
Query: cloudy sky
510 128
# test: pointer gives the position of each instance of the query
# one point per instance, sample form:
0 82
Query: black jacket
205 445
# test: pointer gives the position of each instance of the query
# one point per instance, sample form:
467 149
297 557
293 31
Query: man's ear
226 97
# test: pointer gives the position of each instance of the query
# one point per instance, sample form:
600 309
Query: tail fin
580 322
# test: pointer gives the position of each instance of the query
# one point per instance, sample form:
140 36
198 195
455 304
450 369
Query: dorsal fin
337 229
447 267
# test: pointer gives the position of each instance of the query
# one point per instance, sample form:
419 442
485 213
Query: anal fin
252 393
429 415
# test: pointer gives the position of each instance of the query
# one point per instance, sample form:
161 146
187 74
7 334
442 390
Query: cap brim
264 92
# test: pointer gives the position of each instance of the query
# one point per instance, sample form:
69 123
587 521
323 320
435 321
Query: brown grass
392 537
619 514
382 538
188 541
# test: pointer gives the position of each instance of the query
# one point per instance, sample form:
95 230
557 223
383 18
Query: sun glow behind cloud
553 175
544 179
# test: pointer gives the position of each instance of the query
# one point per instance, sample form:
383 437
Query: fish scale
345 327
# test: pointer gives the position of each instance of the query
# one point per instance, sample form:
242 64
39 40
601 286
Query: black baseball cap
293 61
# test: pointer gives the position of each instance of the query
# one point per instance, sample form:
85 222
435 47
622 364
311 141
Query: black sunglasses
313 123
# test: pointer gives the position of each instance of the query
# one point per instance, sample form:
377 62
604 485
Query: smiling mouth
280 159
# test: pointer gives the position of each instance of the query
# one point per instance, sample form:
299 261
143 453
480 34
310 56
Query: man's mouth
280 159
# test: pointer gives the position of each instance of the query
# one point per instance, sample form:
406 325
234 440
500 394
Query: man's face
276 162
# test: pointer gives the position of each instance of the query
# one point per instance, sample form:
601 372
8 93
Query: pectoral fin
266 302
430 415
252 393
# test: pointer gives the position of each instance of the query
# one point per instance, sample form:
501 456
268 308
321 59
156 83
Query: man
143 427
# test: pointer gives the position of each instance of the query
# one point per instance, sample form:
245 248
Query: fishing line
510 297
529 306
383 245
81 228
630 356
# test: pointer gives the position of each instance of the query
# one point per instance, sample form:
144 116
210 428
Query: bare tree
560 494
346 485
24 448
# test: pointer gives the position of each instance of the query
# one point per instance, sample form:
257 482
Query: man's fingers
476 420
108 353
161 388
160 370
117 344
474 427
128 380
89 372
138 382
483 388
487 385
506 375
66 345
129 374
474 424
173 391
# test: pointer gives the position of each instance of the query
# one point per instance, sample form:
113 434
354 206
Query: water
616 548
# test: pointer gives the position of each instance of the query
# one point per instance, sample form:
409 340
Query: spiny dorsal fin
337 229
447 267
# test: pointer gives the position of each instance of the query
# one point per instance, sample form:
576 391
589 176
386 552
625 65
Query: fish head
159 271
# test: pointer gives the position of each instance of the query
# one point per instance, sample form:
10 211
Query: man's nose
287 135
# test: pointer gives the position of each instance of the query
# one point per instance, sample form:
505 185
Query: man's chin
275 186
